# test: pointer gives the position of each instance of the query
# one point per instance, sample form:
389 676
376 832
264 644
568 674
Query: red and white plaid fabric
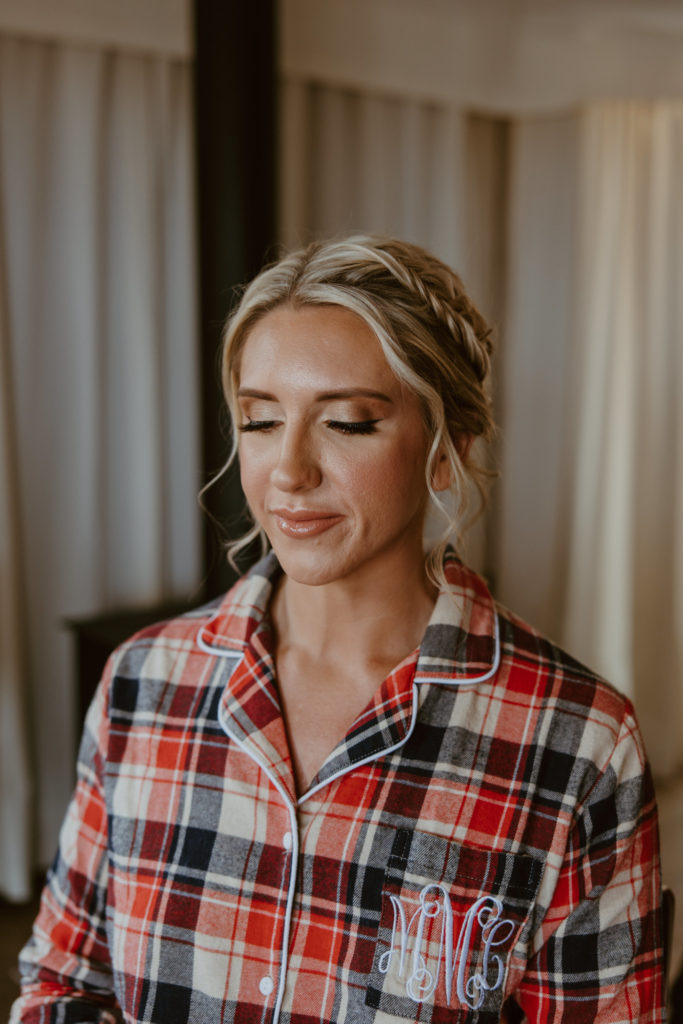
487 829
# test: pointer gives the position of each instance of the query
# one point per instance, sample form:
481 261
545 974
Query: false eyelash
256 425
360 427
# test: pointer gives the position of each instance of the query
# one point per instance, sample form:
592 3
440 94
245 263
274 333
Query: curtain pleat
534 363
624 612
356 162
97 203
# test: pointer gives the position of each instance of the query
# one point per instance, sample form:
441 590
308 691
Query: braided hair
435 340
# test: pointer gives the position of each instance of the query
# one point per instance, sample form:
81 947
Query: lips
301 523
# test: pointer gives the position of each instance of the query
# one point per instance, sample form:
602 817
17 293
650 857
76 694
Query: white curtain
624 601
591 510
534 361
351 161
100 456
568 230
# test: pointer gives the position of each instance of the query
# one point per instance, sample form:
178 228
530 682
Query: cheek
253 476
398 473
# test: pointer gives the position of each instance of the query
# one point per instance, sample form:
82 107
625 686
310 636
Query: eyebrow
324 396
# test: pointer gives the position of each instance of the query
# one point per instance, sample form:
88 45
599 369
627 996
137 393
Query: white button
265 985
287 840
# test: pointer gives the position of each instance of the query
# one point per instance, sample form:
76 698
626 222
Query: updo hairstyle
434 339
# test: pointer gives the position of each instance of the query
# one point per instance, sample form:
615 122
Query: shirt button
265 985
287 840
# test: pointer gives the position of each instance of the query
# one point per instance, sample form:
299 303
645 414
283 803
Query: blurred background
153 155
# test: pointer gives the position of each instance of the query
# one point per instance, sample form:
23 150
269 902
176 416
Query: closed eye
354 427
256 425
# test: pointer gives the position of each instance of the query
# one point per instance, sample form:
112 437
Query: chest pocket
451 918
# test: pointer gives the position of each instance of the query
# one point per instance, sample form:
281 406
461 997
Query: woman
356 789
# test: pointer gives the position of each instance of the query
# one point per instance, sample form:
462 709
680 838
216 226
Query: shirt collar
461 643
241 611
460 647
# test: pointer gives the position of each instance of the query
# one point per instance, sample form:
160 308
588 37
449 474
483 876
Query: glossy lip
304 522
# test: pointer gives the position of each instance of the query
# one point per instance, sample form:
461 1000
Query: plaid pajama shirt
487 828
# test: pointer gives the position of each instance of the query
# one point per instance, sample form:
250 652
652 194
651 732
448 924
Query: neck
379 616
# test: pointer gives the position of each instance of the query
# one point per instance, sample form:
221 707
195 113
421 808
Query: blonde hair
434 339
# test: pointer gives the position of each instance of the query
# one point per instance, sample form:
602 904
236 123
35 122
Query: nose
297 467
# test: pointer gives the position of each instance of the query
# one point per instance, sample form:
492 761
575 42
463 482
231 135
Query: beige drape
624 600
100 465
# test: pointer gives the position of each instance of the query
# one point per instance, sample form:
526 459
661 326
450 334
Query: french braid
439 291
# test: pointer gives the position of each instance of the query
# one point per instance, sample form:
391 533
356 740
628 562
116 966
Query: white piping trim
294 829
218 652
370 757
471 680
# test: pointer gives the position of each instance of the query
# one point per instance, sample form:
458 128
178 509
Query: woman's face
332 446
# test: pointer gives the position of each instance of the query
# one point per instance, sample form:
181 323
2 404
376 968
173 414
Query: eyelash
244 428
359 427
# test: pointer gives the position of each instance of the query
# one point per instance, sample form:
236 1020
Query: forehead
322 346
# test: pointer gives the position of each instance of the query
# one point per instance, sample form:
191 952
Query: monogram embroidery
485 914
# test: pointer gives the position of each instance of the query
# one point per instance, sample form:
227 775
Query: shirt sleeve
598 954
65 967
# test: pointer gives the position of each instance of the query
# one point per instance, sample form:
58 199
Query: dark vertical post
235 122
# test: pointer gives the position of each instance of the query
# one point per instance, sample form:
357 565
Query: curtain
590 524
624 595
534 359
100 392
352 161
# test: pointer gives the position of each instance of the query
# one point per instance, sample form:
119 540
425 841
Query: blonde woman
355 789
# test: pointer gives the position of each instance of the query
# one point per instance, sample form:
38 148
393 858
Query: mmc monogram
483 922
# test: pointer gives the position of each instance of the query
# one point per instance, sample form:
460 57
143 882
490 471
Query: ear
441 471
442 477
464 445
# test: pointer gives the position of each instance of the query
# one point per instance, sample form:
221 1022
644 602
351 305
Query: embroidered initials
422 979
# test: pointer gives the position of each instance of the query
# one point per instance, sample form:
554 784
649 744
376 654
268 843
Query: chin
310 567
308 572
